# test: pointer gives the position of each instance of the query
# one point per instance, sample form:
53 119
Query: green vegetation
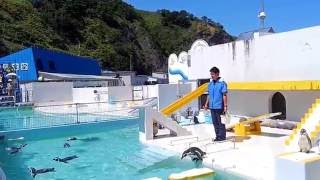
109 30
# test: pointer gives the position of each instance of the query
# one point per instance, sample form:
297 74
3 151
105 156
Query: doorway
278 104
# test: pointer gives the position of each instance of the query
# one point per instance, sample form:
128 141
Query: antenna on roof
262 15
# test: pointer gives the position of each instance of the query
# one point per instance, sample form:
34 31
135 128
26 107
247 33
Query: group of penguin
197 155
14 150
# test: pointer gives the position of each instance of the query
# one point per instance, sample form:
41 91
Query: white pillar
145 124
298 166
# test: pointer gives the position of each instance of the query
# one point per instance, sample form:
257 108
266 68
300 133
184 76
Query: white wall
298 102
168 93
127 80
249 103
120 93
276 57
52 92
254 103
145 92
150 91
87 95
297 166
26 92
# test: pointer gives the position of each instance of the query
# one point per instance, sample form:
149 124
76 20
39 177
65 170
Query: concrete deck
252 157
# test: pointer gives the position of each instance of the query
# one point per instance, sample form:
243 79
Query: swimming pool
105 150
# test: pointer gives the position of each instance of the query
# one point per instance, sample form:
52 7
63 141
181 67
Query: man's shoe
219 139
216 140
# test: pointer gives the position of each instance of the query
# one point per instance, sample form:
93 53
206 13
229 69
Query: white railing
66 114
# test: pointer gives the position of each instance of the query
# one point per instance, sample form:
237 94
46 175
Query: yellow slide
179 103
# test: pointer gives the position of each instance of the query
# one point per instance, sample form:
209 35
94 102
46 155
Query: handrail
186 138
88 103
47 116
152 98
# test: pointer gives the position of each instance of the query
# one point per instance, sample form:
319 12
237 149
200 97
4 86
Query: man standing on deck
217 103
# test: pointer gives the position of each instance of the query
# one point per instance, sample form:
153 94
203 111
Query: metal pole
212 161
77 113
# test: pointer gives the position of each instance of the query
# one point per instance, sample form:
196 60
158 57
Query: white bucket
226 118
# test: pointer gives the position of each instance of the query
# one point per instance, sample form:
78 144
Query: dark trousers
219 128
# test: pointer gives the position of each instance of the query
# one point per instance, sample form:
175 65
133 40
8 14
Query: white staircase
168 123
309 122
149 116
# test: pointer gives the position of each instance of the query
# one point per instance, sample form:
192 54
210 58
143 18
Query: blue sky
241 15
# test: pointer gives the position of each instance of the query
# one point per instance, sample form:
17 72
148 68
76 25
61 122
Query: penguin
66 159
155 129
304 141
174 117
195 153
195 120
66 145
14 150
72 139
88 139
35 172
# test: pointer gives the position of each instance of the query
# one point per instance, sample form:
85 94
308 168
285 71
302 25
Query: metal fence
7 101
19 118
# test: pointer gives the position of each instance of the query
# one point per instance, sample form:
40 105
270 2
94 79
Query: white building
266 73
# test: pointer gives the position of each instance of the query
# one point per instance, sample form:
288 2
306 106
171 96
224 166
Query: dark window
279 105
203 98
52 66
39 65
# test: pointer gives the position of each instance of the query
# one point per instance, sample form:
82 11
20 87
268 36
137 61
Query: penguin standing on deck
304 141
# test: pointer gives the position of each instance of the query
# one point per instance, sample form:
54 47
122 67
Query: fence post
77 111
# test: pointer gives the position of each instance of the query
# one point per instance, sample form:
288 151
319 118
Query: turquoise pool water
109 150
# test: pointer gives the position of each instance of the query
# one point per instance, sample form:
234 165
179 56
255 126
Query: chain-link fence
57 115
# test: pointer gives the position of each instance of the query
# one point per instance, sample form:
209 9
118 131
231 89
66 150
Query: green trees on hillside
108 30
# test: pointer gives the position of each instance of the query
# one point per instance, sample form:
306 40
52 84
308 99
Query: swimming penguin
66 145
16 139
72 139
195 153
14 150
66 159
35 172
304 141
87 139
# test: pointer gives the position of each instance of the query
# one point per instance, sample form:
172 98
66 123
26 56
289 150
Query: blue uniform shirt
216 91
